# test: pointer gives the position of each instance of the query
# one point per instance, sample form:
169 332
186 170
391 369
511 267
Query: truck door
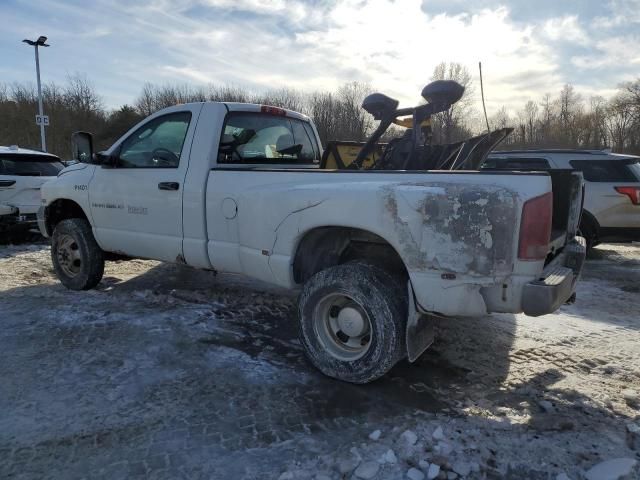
136 200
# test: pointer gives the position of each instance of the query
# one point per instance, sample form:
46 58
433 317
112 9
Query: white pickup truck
240 188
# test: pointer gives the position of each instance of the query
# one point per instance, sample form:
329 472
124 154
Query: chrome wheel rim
68 255
342 326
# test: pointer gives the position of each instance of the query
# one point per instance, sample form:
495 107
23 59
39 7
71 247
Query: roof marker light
273 110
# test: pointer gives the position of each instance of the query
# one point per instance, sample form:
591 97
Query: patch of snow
613 469
433 472
443 448
547 406
461 468
415 474
367 470
633 436
388 457
348 465
375 435
631 397
438 434
409 437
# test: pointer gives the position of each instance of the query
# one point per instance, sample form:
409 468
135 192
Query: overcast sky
527 47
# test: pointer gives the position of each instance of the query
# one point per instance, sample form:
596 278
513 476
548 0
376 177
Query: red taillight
632 192
273 110
535 228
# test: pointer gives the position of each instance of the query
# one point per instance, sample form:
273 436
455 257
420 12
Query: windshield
30 165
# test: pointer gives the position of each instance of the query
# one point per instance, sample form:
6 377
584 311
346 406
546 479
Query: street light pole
39 43
42 135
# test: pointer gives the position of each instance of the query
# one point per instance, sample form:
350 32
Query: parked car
240 188
22 173
612 187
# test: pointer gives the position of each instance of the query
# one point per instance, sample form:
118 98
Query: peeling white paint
485 237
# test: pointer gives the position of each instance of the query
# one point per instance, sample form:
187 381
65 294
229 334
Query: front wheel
77 258
353 321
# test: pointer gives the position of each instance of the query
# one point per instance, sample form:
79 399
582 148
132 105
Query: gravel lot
168 372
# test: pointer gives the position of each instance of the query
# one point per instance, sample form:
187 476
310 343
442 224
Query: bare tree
619 120
145 104
596 129
453 124
530 116
570 109
80 95
561 121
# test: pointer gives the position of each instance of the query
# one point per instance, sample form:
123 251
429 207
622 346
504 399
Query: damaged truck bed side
238 188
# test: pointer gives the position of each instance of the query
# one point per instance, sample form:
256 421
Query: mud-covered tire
379 297
75 235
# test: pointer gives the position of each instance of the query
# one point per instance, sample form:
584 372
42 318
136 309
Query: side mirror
82 147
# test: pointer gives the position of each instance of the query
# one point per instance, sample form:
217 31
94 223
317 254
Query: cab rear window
30 165
607 170
258 138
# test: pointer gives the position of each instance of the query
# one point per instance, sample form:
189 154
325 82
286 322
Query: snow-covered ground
167 372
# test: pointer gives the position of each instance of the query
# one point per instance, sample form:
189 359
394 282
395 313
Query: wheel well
62 209
326 247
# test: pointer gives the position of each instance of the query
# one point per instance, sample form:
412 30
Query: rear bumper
11 219
558 281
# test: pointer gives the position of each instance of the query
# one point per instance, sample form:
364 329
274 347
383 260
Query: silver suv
22 173
612 187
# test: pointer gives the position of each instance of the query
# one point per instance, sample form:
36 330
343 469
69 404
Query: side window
514 163
157 144
605 171
314 142
251 138
301 137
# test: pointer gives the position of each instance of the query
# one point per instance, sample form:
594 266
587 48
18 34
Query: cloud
526 49
566 29
620 13
619 52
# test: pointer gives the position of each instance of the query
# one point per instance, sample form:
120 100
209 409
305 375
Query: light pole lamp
40 42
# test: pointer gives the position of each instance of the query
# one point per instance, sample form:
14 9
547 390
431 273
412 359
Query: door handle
7 183
169 186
